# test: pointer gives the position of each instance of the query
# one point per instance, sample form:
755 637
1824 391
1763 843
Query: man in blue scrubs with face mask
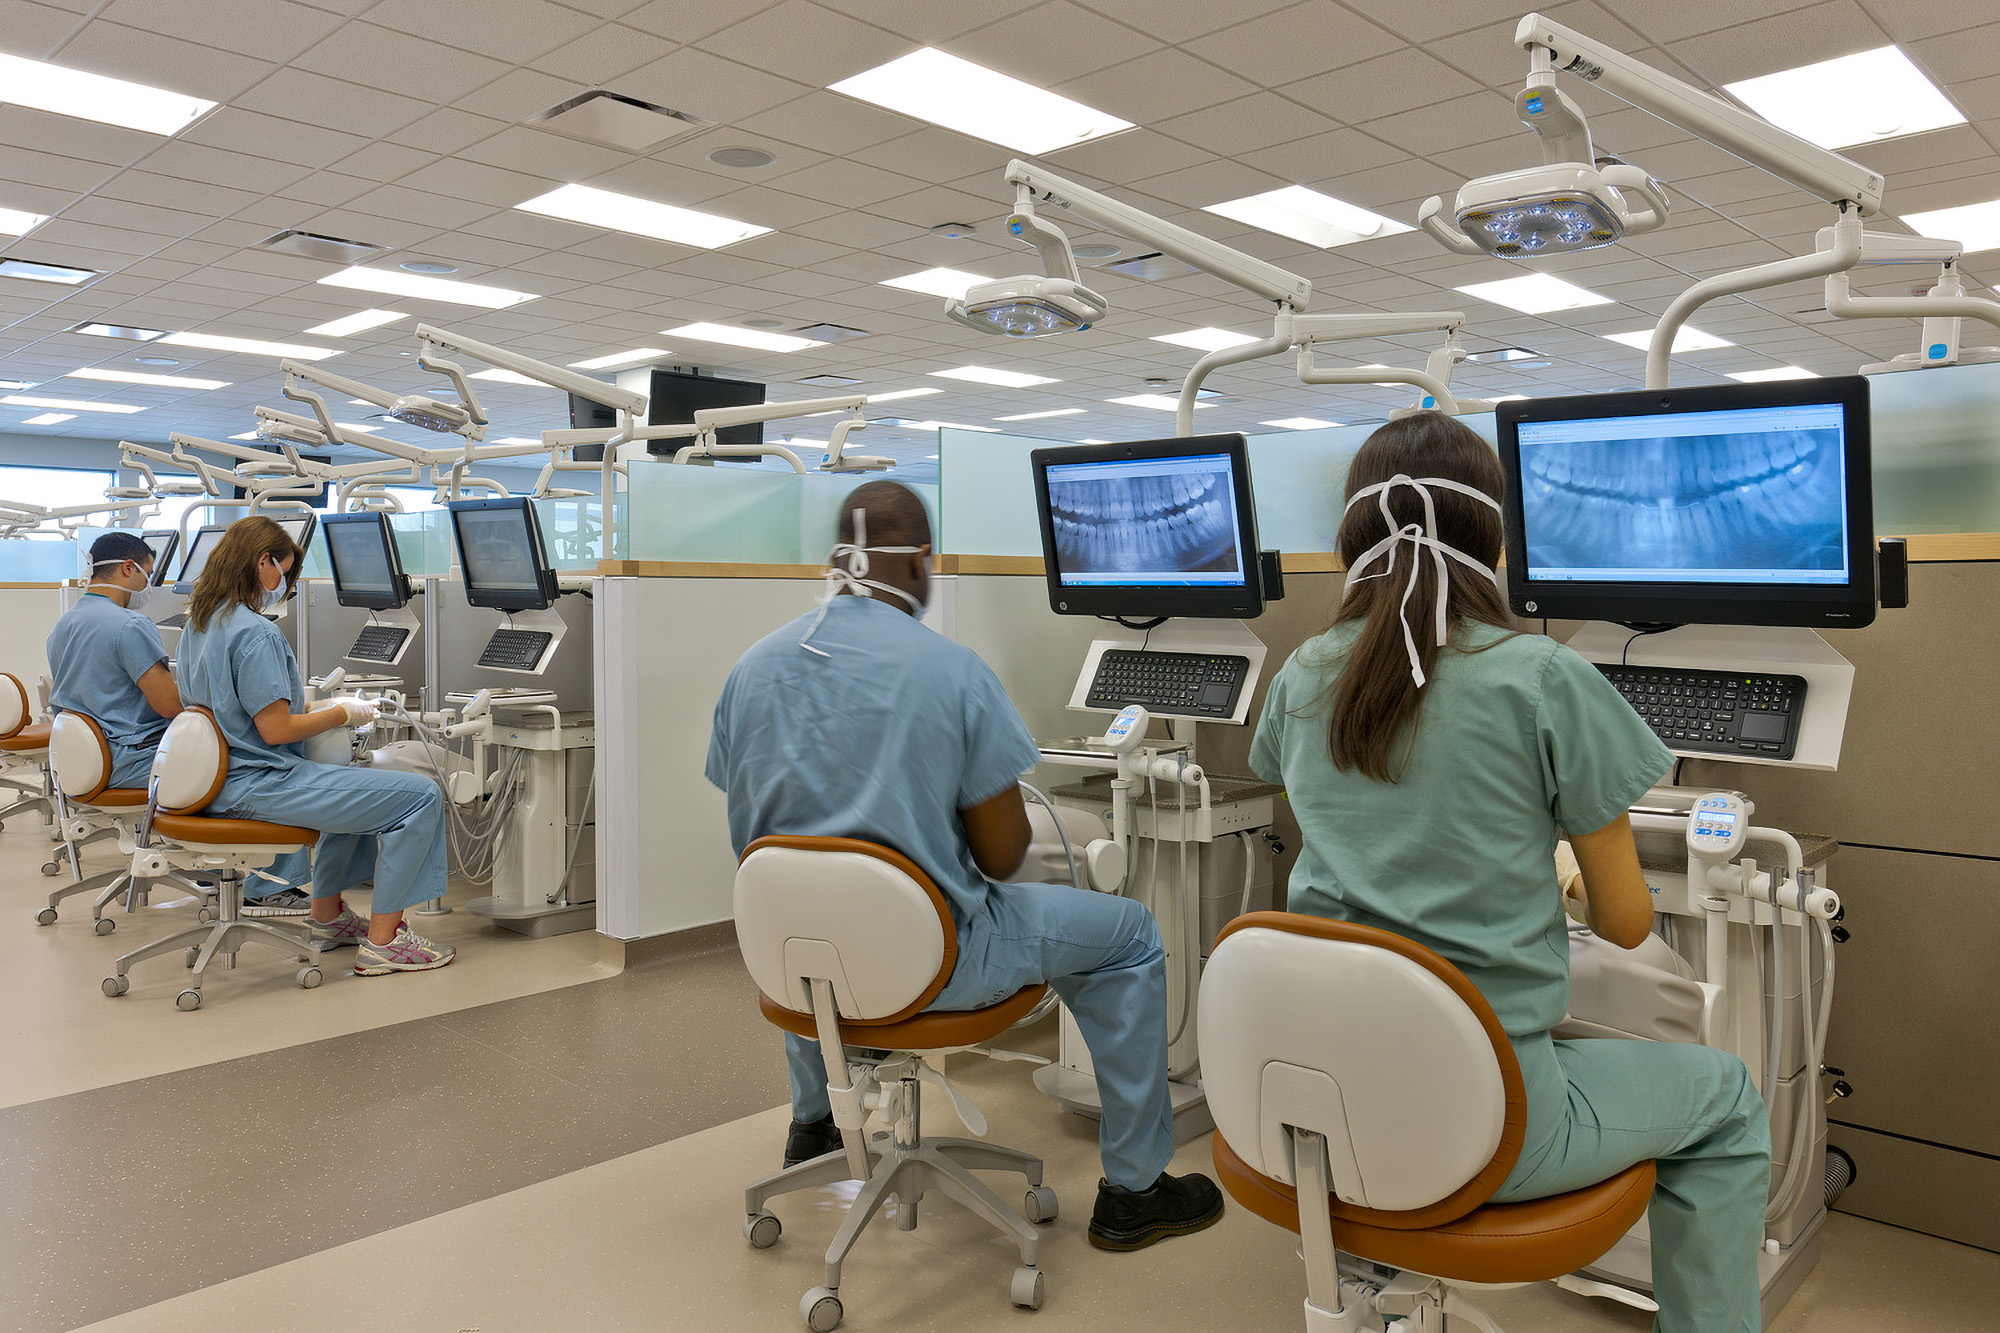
107 662
857 721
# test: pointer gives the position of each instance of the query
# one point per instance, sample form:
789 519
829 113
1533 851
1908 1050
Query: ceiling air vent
831 333
1154 267
311 245
829 381
616 121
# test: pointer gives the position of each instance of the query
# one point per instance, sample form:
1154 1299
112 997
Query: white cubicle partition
30 611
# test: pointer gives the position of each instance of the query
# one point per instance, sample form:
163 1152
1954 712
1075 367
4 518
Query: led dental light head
1028 306
278 430
427 413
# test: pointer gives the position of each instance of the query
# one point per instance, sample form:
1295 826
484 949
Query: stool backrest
854 913
1372 1040
15 710
191 765
79 756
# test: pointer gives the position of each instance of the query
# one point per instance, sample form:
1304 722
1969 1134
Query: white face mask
135 598
273 598
847 571
1420 537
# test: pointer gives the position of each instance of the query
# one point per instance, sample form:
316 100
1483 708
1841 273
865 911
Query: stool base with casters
226 934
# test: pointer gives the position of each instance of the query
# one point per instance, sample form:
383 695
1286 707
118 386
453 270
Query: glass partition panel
572 530
423 542
1937 449
736 515
25 560
987 493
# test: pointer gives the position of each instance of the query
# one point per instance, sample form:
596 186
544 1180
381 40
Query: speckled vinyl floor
571 1157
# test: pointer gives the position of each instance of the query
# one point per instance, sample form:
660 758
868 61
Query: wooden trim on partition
7 586
1942 546
704 569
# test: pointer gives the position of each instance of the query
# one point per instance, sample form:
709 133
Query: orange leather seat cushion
932 1030
199 829
34 736
1532 1241
118 796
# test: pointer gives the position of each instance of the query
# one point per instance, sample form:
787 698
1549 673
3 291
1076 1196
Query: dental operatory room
1264 665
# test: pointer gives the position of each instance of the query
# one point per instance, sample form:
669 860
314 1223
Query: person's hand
1569 876
357 712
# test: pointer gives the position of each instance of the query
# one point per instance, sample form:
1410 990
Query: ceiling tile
145 57
1396 82
50 179
604 53
266 29
848 183
37 31
70 137
1295 43
299 94
522 94
1182 20
233 129
1019 46
930 23
539 153
1247 124
709 86
1155 87
514 31
807 42
1783 41
390 61
829 123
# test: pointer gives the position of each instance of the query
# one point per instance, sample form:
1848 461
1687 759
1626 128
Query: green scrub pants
1597 1107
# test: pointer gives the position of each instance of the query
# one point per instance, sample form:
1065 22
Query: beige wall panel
1934 1190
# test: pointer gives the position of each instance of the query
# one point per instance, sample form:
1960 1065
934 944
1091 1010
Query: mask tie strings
847 572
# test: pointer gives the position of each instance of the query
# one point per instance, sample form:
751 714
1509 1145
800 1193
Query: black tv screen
675 397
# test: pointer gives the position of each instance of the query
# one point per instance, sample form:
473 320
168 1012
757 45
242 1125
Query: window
53 487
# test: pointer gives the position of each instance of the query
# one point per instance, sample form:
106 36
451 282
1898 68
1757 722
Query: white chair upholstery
1359 1069
848 942
91 810
188 771
24 756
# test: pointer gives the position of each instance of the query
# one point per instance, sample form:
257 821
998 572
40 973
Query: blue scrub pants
131 766
373 823
1597 1107
1102 955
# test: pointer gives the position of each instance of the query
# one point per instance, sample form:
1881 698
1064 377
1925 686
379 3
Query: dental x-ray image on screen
1145 521
1762 500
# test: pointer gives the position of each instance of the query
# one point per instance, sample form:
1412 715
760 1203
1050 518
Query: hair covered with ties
1420 535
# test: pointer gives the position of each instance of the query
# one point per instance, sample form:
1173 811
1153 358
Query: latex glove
360 712
1569 875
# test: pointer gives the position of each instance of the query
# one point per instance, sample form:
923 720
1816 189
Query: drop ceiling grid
440 216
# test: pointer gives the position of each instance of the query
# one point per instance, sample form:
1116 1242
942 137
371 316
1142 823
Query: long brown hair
1374 699
230 576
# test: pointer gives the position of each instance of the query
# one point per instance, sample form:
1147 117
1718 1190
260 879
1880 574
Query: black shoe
1133 1219
810 1139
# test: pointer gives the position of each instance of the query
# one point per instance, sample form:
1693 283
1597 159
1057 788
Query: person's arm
157 684
279 725
997 832
1614 888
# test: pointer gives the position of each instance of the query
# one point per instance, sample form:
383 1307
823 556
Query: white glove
1569 875
360 712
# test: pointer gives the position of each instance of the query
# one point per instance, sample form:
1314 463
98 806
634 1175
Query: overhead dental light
1029 306
279 428
1577 201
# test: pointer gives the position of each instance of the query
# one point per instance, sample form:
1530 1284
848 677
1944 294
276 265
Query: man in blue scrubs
106 660
857 721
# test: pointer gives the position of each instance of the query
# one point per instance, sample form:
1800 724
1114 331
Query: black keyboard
379 643
516 649
178 620
1715 712
1189 684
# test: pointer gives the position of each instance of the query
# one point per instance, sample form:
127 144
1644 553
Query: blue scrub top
885 739
97 652
236 668
1518 738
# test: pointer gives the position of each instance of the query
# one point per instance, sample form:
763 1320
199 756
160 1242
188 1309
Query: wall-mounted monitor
164 541
1724 504
500 554
200 547
367 569
1151 528
674 396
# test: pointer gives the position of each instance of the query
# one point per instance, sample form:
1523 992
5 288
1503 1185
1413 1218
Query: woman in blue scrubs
385 826
1433 754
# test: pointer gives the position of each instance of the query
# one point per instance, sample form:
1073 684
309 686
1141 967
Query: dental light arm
1308 331
709 420
1942 309
838 461
442 341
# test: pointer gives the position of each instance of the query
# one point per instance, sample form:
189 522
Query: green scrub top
1518 738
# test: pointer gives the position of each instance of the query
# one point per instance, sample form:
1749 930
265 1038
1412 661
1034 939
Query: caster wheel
762 1230
188 1001
116 986
204 915
104 925
310 977
189 957
1026 1288
51 869
820 1308
46 917
1040 1204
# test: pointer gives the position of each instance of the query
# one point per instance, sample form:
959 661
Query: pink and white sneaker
408 952
347 928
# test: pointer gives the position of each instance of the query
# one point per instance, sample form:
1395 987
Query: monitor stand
1219 637
1791 651
385 639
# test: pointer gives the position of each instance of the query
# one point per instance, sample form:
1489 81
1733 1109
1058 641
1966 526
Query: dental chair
1362 1072
188 771
91 810
848 942
24 756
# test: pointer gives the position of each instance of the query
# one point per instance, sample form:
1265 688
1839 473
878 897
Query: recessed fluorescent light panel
33 272
66 404
136 377
1775 373
1855 99
357 425
133 332
631 358
1535 294
1299 423
894 394
108 101
247 435
1005 379
1157 401
353 324
507 377
394 282
949 425
50 419
1205 340
12 385
13 222
216 342
1974 226
948 282
641 217
983 103
734 337
1686 339
1039 416
1309 216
